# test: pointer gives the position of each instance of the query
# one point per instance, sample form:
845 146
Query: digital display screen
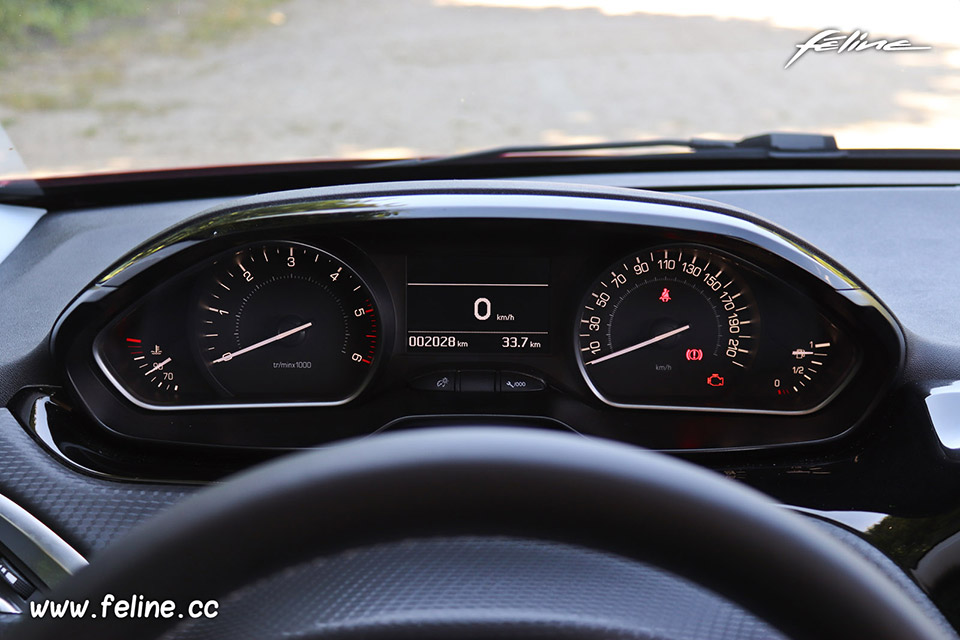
478 304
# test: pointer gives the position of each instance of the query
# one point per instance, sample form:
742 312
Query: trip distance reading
519 342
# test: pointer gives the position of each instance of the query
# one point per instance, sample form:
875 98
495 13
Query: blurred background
112 85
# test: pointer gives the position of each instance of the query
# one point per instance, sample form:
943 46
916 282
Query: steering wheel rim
519 482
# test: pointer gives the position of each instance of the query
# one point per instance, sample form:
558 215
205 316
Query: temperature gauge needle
158 366
280 336
645 343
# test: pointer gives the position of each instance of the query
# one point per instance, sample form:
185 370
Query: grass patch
44 100
135 107
220 20
118 107
84 45
78 93
23 21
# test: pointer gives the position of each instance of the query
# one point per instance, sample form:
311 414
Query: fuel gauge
809 370
805 362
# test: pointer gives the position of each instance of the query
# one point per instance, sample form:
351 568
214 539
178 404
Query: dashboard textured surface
86 512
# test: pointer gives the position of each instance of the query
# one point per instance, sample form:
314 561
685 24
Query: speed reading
482 309
668 326
480 304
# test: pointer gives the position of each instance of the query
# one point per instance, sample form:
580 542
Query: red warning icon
715 380
665 296
694 355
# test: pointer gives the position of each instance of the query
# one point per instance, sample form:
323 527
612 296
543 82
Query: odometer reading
671 326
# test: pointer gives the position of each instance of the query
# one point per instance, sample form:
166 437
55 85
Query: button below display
436 381
482 381
512 382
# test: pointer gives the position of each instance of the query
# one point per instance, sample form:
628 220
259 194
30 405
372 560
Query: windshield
116 85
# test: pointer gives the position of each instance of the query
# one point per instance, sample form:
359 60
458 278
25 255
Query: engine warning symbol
715 380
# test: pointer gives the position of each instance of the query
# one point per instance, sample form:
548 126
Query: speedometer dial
670 326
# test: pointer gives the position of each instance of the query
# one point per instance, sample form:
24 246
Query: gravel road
381 78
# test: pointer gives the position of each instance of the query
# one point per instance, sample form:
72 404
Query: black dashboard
406 280
302 318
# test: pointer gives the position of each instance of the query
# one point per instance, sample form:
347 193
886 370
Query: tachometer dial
287 322
668 326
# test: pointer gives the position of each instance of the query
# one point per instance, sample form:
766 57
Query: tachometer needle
158 366
645 343
280 336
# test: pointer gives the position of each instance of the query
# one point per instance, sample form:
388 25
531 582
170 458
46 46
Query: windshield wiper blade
775 143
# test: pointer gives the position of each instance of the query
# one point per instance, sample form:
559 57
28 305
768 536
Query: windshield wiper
775 144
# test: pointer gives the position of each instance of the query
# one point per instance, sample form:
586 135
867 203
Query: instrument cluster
670 326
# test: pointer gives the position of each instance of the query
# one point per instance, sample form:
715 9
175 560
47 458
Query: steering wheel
495 481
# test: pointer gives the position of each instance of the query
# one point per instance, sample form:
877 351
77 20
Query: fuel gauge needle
645 343
158 366
280 336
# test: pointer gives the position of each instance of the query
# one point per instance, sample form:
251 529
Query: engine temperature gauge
154 365
149 371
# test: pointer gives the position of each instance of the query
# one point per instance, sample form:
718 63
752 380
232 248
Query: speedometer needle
645 343
280 336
